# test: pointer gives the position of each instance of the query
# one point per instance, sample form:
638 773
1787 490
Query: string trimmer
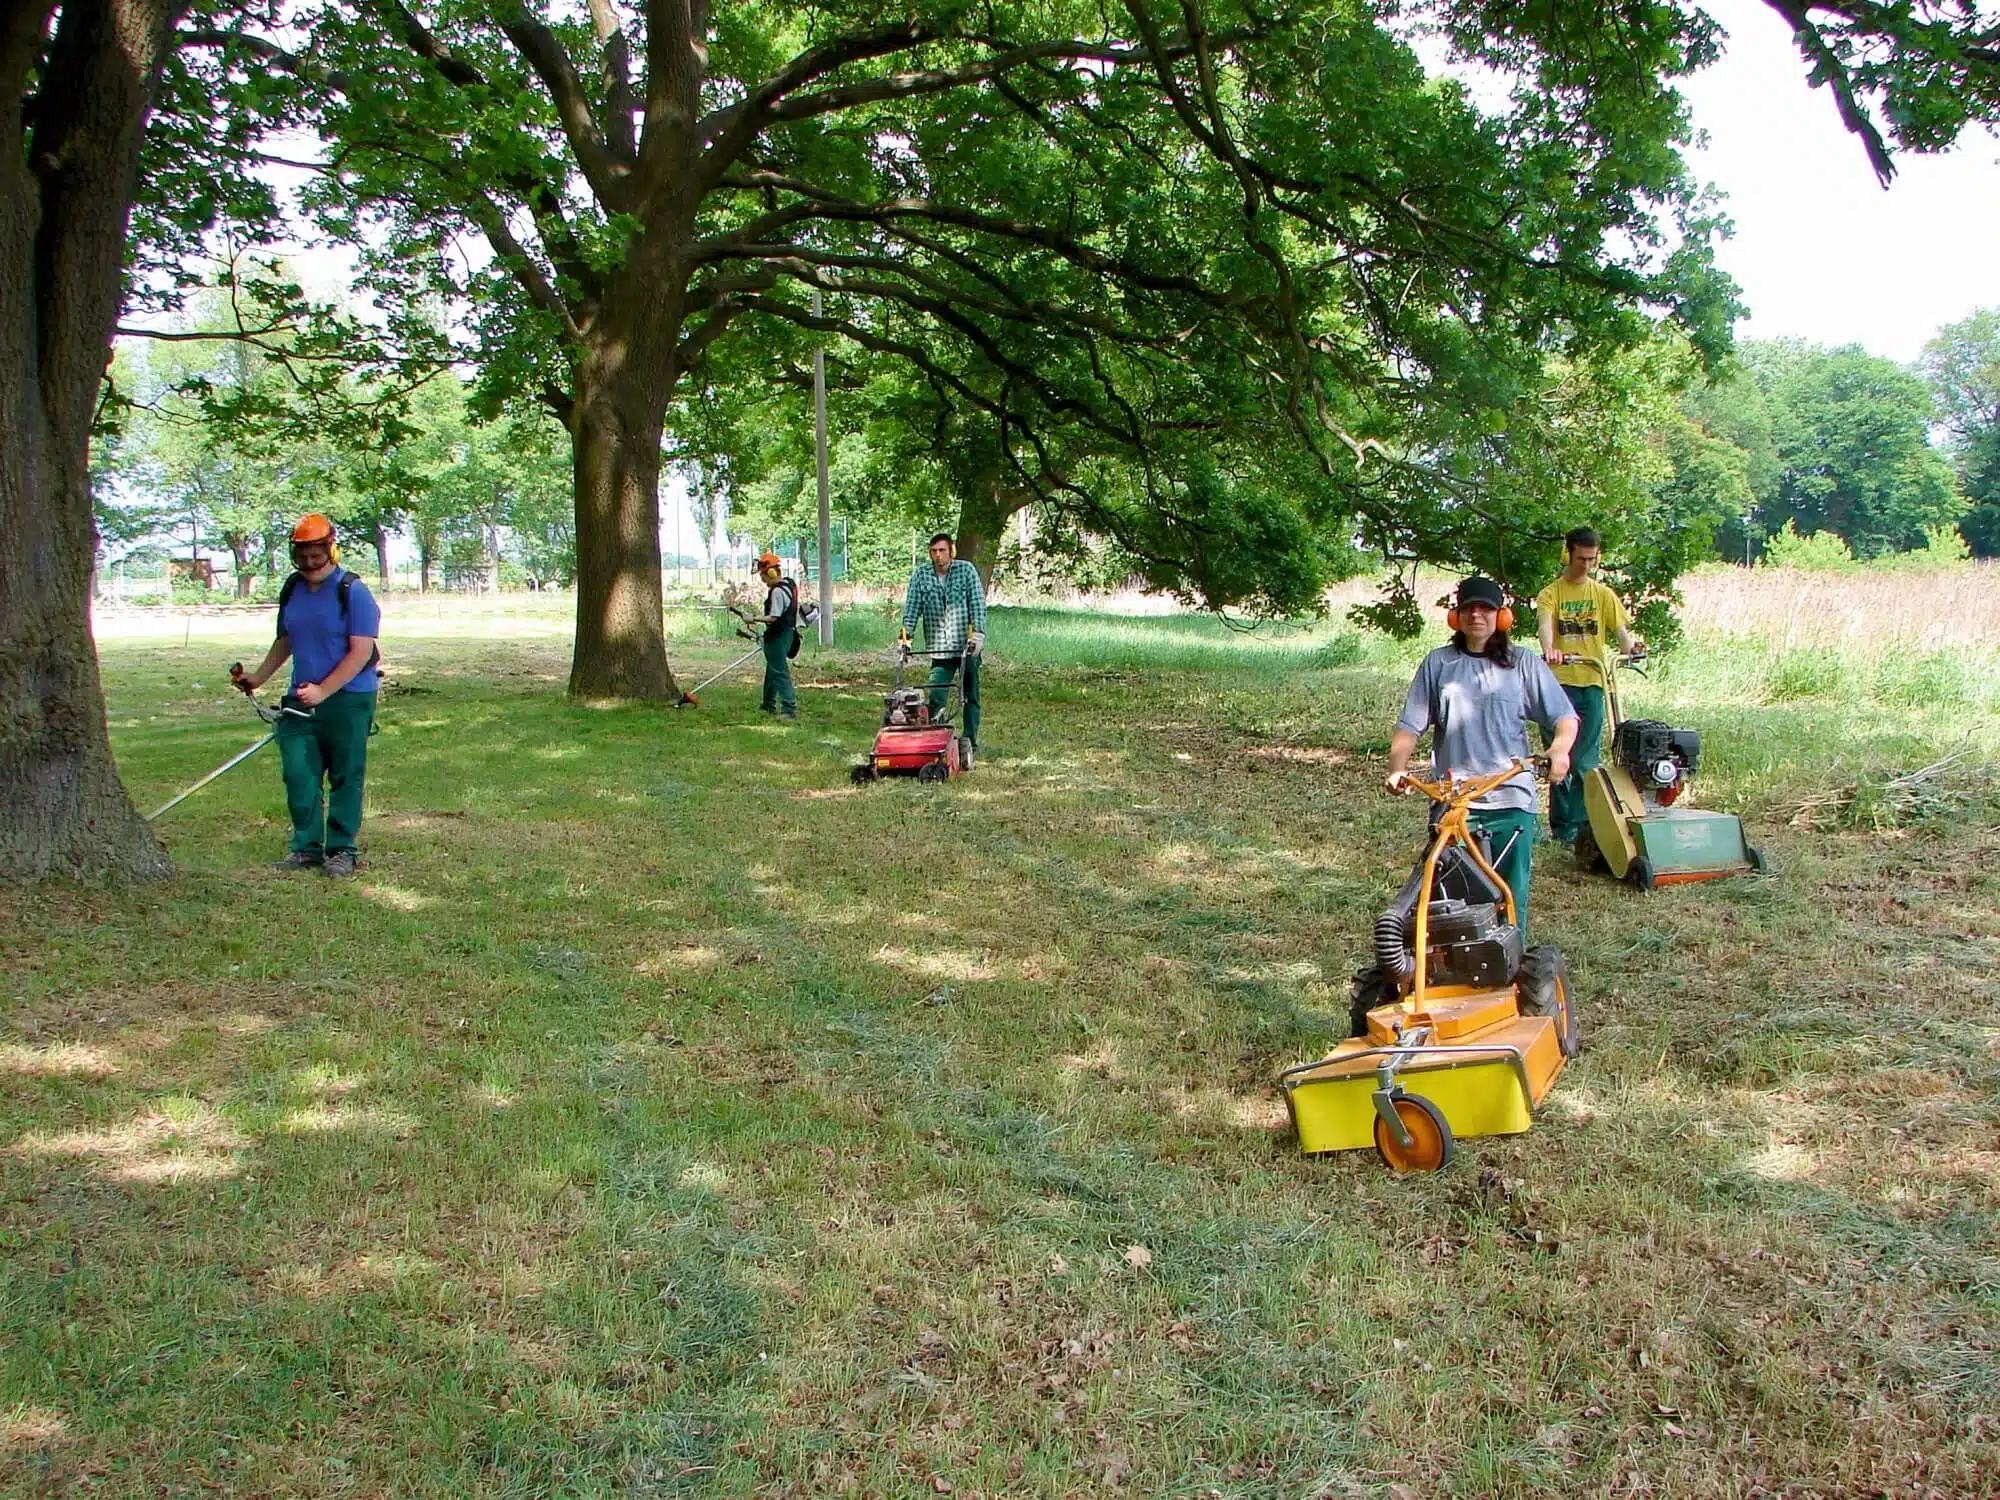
689 700
268 715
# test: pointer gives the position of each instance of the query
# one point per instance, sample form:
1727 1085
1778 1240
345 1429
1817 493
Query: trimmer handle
240 679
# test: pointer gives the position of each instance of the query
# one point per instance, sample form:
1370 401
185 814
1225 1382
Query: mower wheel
1430 1137
937 770
1365 992
1544 991
1758 864
1639 874
862 774
1589 858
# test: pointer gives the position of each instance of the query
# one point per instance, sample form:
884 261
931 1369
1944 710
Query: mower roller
1457 1031
1640 831
911 742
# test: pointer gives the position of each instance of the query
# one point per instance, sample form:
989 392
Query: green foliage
1818 551
1962 364
1208 315
1796 675
1851 431
1937 677
1942 549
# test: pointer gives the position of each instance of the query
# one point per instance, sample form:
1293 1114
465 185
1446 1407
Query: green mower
1640 831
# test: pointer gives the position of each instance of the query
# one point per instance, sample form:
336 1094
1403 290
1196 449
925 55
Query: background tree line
1240 293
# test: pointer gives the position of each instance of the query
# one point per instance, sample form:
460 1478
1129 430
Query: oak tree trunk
239 552
619 417
66 194
983 512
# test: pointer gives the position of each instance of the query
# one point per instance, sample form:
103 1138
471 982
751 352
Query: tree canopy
1193 277
1851 433
1963 366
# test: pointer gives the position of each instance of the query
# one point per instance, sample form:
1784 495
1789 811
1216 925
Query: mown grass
660 1115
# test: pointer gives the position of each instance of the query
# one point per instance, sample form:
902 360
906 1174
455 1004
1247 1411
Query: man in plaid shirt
945 594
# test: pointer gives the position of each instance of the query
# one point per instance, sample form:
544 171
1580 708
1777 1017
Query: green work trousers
1567 815
780 697
940 691
331 748
1512 831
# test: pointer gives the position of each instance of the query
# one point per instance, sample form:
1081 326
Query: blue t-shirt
1478 712
311 619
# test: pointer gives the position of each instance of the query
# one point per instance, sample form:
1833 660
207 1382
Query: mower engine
905 708
1467 937
1471 943
1659 758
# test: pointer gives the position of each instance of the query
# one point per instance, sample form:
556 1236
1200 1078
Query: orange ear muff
1505 620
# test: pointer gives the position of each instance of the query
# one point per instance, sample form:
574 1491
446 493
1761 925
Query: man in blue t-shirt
328 624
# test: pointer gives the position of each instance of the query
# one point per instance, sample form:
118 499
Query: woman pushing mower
1476 696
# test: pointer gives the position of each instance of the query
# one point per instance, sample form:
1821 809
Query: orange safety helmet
314 527
769 560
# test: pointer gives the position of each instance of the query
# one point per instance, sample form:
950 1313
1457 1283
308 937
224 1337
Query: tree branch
1827 68
552 65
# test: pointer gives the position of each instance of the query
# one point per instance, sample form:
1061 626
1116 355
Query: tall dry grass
1790 609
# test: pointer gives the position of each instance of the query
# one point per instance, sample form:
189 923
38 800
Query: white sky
1821 251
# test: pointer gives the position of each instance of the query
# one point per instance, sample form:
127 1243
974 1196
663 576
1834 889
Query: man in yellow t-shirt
1578 617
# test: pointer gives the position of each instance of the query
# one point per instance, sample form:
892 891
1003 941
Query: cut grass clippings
658 1114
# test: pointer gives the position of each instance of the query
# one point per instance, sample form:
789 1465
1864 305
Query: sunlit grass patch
661 1114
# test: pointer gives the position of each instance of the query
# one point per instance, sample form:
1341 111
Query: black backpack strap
346 588
285 597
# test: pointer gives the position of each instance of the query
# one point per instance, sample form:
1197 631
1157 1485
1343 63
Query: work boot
340 864
966 751
788 716
298 861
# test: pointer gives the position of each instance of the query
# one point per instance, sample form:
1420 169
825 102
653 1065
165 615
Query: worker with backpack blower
328 624
780 620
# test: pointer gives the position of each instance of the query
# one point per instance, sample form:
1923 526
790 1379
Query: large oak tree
75 102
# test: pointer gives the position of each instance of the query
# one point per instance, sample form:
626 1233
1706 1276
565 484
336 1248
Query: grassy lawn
660 1115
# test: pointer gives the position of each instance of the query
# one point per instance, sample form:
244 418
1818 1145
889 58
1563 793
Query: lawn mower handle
1470 789
1634 661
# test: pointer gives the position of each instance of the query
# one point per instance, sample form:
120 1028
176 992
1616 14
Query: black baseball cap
1477 590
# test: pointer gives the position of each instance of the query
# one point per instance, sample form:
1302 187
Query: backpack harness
346 587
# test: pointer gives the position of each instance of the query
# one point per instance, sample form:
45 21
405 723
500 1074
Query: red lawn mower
911 742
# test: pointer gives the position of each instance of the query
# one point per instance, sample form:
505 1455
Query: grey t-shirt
1479 711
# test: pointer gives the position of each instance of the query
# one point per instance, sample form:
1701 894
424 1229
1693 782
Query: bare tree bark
983 513
66 190
380 533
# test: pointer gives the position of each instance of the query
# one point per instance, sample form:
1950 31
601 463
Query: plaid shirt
948 606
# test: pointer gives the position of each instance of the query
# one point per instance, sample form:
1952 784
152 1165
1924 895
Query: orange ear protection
1504 622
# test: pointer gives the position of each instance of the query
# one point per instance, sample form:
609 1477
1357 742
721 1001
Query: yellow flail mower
1458 1029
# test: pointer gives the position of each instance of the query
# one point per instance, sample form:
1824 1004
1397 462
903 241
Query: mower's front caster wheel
1639 874
1589 858
1758 864
1544 991
1364 993
935 771
861 775
1430 1138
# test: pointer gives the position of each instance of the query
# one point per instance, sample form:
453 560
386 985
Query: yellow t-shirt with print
1588 618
